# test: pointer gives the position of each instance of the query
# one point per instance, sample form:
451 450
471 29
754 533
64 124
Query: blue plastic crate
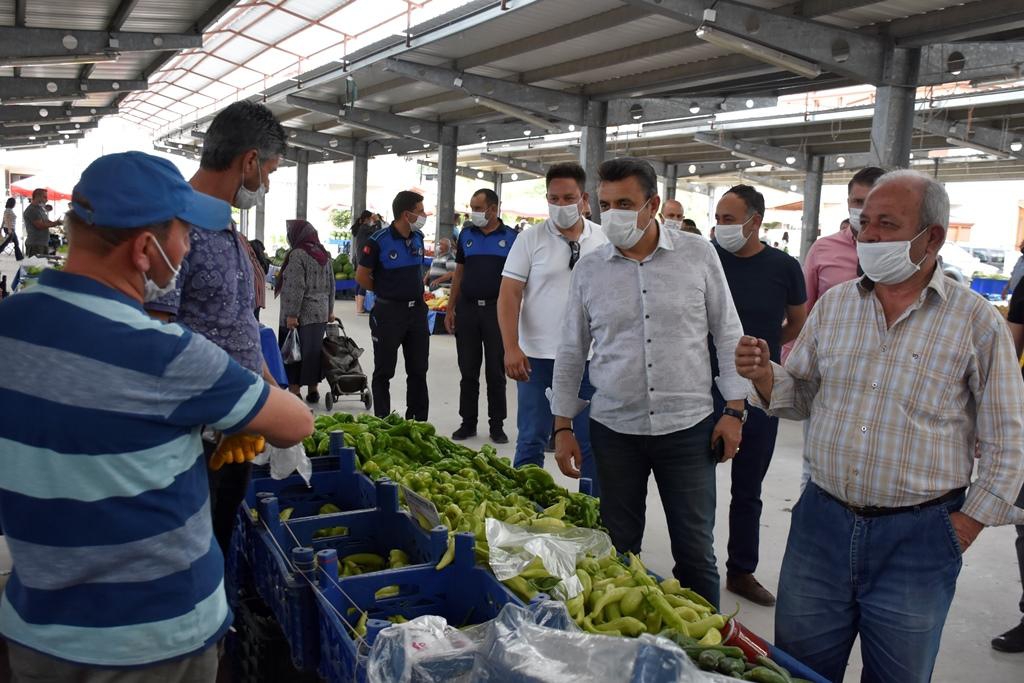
283 555
987 285
462 593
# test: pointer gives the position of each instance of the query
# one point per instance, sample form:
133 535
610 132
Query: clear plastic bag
534 644
513 547
291 351
285 461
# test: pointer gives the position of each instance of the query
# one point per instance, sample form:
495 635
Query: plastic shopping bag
291 352
285 461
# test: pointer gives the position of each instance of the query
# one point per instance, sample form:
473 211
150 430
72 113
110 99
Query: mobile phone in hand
718 449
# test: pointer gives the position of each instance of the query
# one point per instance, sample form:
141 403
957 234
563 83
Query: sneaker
464 432
1011 641
498 435
313 397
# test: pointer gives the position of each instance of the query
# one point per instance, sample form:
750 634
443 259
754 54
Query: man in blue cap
103 484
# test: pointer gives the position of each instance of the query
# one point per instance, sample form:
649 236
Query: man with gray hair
901 375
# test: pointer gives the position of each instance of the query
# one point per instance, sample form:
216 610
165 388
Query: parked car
987 255
958 264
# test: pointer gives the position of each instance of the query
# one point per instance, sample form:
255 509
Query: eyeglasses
574 254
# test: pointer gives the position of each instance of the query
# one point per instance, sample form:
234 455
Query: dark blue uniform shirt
483 258
396 263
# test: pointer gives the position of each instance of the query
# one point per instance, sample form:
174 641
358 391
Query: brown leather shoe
745 585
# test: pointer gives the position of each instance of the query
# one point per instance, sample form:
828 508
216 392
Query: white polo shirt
540 258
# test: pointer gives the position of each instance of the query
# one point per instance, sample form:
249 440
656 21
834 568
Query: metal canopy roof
476 72
70 62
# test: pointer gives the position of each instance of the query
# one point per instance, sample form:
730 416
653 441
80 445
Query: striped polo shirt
103 487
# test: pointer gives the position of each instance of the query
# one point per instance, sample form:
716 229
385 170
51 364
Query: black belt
400 302
875 511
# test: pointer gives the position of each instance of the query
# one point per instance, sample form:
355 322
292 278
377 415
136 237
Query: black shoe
1011 641
464 432
745 585
498 435
313 397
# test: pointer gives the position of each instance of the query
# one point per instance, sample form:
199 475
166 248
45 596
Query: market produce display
343 268
619 597
437 302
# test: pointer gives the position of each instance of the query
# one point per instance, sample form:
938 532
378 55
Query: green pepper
627 626
521 587
708 660
731 666
769 663
763 674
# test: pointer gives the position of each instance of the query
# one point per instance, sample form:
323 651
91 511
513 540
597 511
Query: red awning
56 188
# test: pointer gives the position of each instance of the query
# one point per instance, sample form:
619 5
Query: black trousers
227 491
478 340
393 325
13 239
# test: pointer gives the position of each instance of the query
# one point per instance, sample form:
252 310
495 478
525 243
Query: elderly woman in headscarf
306 287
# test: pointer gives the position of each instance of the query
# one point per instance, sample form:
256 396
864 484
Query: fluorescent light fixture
538 122
59 59
977 146
716 36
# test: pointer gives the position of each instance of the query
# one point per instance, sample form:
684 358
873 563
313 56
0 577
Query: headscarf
302 235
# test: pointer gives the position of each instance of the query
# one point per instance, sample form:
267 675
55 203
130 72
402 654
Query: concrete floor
989 586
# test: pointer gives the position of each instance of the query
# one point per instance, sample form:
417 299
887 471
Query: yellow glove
237 449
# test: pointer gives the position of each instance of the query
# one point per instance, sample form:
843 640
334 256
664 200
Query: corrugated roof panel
358 17
212 67
313 9
240 49
52 71
639 66
275 26
311 40
84 14
892 9
271 61
241 78
158 16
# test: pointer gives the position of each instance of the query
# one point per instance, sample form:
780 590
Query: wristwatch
740 415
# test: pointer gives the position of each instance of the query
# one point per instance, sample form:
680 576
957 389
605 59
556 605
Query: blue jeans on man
533 421
684 469
889 579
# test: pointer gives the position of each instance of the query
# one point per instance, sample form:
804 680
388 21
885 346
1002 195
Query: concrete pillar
302 185
593 145
497 184
892 127
812 203
447 160
360 173
671 180
261 219
243 223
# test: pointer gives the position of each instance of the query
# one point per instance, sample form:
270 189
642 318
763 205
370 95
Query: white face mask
478 218
151 290
672 224
564 217
855 220
731 237
888 263
418 223
246 198
620 226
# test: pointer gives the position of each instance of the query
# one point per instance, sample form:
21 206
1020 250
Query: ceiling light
58 59
692 168
792 188
636 112
694 108
791 160
571 128
527 132
481 133
1016 146
515 176
749 104
536 121
36 127
840 161
44 113
753 163
426 145
718 37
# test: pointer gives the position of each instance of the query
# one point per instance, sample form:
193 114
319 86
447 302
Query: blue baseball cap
133 189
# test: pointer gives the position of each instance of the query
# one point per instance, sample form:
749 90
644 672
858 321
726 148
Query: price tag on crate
421 508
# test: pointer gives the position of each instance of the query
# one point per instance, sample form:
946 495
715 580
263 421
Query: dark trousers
888 579
1020 564
684 469
393 325
13 239
478 340
227 491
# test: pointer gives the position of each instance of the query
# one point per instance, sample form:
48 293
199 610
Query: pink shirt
831 260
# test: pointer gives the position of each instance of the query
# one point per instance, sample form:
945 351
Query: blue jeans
533 421
684 469
889 579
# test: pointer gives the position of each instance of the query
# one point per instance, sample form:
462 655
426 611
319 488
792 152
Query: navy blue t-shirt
483 259
396 263
762 286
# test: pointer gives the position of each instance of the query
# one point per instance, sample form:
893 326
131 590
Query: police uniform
477 336
399 318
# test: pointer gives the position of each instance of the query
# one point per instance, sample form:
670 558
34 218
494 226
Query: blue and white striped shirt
103 487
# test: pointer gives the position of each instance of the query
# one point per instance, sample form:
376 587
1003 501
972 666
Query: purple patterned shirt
215 296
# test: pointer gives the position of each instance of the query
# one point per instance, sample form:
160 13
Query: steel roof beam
41 138
638 109
996 140
540 101
68 127
850 53
32 114
748 149
376 121
950 62
531 167
24 43
768 181
48 89
465 172
959 22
